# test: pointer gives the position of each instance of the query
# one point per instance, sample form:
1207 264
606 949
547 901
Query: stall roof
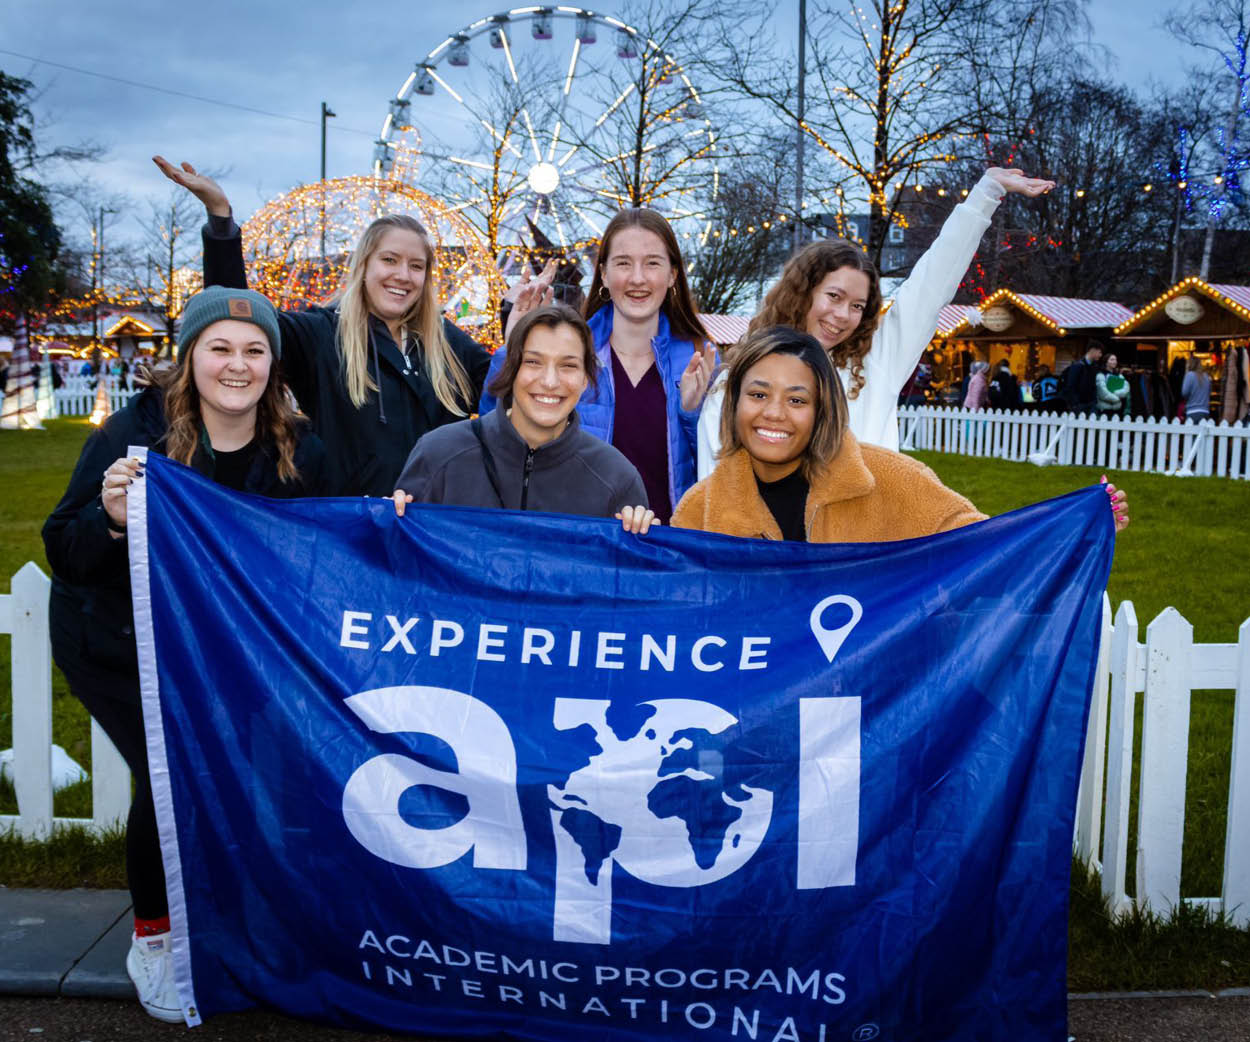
112 324
952 316
1235 298
1060 314
725 329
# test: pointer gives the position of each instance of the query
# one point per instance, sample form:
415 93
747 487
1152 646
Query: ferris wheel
540 123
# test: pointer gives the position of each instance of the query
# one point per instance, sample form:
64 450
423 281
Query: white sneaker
151 967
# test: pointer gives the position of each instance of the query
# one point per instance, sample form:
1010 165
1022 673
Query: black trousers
111 695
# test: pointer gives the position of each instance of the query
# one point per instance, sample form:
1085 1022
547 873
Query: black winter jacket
575 474
91 569
366 447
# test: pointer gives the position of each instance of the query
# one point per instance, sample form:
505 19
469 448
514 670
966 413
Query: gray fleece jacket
575 474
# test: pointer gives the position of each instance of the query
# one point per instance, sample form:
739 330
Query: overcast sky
284 59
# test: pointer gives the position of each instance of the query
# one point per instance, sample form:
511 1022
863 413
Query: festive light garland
1192 282
281 245
1006 294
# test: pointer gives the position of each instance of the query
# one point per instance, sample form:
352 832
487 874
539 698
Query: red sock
151 927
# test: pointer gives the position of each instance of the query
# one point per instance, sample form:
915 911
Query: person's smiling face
638 273
776 413
549 383
836 307
395 274
230 366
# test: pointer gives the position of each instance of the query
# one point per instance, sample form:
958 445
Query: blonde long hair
451 382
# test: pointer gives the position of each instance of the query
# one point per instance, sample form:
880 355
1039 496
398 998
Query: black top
231 468
787 502
366 447
1080 384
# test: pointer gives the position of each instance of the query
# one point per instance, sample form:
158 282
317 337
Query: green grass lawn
1184 548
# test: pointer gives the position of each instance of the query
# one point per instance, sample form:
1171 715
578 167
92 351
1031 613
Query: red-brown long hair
679 306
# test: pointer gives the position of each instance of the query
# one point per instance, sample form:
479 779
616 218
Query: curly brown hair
790 299
276 420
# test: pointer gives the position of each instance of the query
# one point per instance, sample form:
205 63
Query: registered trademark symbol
865 1032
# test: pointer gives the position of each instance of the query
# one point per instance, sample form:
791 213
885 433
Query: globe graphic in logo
654 801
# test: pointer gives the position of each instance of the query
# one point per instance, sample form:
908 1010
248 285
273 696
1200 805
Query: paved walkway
71 944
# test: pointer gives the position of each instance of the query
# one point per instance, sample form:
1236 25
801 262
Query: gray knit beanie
217 303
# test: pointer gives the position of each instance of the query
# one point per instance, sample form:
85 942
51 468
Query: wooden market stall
1027 329
1194 317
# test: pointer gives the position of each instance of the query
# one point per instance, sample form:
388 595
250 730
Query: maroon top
640 432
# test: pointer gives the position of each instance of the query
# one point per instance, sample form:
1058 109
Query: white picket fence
1165 669
76 397
24 616
1156 446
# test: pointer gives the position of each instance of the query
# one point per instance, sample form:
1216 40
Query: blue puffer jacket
597 408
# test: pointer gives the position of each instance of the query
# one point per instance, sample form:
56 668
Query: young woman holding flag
532 452
653 356
790 467
224 412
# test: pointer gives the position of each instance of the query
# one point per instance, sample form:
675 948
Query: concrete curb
1198 993
64 942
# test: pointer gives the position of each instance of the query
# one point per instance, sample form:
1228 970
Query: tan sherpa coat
866 495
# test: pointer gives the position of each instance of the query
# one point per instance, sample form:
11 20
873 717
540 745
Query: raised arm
223 243
908 326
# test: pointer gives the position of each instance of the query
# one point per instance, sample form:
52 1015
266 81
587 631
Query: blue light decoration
1220 192
1227 192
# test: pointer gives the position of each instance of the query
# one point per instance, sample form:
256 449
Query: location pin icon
831 640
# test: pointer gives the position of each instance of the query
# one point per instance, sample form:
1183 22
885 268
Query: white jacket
903 333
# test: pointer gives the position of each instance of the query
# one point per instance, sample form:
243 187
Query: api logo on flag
480 774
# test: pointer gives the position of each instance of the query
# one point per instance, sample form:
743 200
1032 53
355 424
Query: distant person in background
917 390
1079 385
1176 377
978 395
1045 390
1196 391
1004 388
1111 388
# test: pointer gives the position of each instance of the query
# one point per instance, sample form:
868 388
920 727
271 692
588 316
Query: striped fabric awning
954 315
1235 299
725 329
1075 313
1238 294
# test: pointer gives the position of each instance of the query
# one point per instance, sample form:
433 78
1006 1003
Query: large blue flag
476 773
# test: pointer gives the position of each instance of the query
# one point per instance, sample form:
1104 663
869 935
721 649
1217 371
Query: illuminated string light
1192 282
281 244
